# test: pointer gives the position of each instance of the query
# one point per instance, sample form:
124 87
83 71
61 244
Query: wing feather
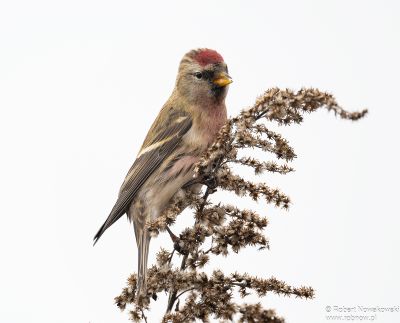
168 136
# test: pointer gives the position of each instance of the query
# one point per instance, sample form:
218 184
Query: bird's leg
178 244
174 238
191 182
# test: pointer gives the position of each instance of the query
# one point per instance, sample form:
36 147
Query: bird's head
203 77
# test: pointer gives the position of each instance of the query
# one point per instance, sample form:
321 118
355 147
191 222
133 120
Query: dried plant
221 228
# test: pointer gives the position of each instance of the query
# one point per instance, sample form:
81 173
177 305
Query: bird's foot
179 246
211 182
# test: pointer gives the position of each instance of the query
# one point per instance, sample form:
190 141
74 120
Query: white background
81 82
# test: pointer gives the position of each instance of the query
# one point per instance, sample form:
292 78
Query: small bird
184 128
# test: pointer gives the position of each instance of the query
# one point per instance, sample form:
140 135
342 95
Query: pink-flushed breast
206 126
201 136
211 122
208 56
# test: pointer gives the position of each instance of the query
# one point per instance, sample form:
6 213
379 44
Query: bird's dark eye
198 75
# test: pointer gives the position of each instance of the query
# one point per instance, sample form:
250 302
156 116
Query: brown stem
185 291
171 255
173 295
143 316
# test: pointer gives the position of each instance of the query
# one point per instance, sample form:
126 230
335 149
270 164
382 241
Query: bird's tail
143 241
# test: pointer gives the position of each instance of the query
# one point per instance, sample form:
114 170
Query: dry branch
192 293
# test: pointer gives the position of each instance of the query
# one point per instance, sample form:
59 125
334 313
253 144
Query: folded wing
168 130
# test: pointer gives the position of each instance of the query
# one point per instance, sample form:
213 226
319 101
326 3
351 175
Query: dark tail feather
119 209
143 253
103 228
99 234
112 218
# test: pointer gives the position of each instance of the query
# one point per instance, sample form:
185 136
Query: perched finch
186 125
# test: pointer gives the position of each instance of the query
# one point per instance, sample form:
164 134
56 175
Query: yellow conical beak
222 79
